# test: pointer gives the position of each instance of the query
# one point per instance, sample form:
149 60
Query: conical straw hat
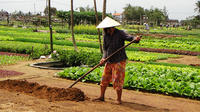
108 22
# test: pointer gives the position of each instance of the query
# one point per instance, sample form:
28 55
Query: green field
145 74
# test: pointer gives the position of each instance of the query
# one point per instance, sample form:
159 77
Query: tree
165 13
127 13
97 22
81 9
133 13
53 11
197 9
50 26
156 15
104 9
62 16
137 13
72 26
86 9
79 17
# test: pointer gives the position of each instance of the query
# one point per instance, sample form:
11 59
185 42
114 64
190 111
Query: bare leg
119 95
102 95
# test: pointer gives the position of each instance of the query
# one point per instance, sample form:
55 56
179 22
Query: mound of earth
43 91
8 73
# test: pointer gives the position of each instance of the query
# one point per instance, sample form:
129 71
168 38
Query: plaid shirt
113 43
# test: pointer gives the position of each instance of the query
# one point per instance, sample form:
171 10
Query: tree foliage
136 13
79 17
53 11
197 9
194 21
133 13
155 15
85 9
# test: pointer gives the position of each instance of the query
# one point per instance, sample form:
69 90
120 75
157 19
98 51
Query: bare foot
98 99
119 102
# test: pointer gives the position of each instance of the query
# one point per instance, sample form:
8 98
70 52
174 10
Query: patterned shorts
115 73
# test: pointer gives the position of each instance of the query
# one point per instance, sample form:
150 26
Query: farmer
114 69
146 27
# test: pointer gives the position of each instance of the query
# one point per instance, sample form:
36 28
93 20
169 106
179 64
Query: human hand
137 39
102 61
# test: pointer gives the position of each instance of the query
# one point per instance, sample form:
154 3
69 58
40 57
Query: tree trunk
97 22
72 26
104 13
104 9
50 27
8 20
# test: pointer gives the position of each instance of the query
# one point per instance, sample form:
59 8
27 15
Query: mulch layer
43 91
13 54
171 51
9 73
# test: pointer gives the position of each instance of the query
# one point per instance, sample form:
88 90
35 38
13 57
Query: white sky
177 9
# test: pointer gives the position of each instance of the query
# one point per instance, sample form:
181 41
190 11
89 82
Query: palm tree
104 12
72 26
104 9
50 27
197 9
97 22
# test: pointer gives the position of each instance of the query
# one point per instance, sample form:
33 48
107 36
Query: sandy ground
133 101
187 60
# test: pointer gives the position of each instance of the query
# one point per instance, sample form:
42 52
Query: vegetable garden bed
170 80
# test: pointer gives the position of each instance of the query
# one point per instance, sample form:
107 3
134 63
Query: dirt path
184 59
133 101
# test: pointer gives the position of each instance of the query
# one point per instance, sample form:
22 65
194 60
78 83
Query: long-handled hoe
101 63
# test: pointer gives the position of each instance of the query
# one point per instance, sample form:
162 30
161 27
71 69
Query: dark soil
43 91
171 51
195 65
8 73
13 54
160 35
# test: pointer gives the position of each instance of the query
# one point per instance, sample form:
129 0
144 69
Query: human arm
128 37
104 51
